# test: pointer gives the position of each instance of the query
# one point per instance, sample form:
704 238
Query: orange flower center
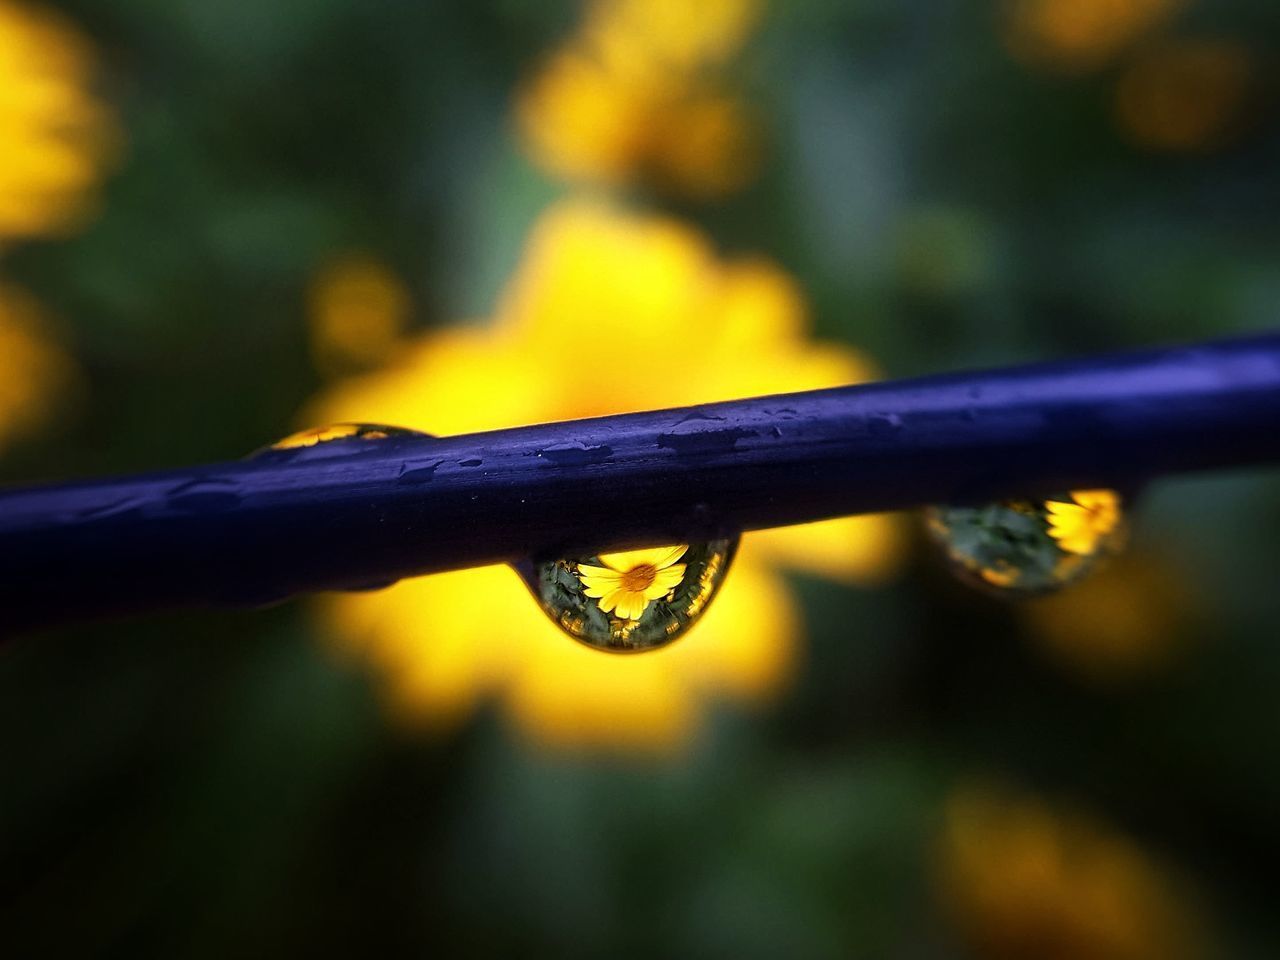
639 579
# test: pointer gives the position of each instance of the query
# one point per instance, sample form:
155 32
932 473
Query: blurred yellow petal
643 286
634 95
1023 879
707 146
746 645
458 381
580 255
1078 35
444 640
576 120
571 696
358 310
636 35
1187 95
1123 621
859 550
57 139
37 376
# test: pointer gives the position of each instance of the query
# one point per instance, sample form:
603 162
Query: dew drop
632 600
1030 547
340 434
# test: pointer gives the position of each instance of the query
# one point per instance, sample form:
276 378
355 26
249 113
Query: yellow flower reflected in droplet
651 290
1080 526
630 579
56 138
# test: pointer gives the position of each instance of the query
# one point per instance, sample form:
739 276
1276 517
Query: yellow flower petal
665 580
860 550
449 642
598 580
612 599
656 557
58 139
1023 877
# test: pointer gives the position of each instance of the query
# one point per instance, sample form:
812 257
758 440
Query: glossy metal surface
348 515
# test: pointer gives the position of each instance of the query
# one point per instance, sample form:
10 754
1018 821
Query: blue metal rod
351 514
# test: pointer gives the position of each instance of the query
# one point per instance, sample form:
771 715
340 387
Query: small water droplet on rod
1030 547
631 600
336 433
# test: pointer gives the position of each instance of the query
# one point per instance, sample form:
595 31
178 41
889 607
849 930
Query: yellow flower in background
1078 35
56 137
36 374
1123 621
1079 526
1185 95
1025 880
607 312
638 94
630 579
358 309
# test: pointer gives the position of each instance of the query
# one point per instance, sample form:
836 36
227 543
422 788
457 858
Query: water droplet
342 435
632 600
1029 547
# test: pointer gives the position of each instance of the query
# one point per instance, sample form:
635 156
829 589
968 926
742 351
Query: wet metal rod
359 513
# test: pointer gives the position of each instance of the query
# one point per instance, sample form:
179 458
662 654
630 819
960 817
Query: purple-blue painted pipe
359 513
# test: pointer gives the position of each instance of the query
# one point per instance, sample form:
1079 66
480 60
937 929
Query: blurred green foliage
214 784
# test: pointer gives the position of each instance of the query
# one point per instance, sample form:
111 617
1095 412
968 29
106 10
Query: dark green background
215 784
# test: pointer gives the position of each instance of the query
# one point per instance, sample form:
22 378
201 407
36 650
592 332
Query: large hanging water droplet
632 600
333 438
1029 547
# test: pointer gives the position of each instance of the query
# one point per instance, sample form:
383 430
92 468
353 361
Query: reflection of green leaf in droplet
562 595
1006 546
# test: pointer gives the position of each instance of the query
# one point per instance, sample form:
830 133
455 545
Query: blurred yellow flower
1184 95
1079 526
56 137
358 309
1024 879
1078 35
36 374
638 94
1128 618
630 579
647 293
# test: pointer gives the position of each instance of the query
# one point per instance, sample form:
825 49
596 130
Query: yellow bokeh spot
1126 620
638 94
56 137
1078 35
1184 96
607 312
36 374
358 310
1024 880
